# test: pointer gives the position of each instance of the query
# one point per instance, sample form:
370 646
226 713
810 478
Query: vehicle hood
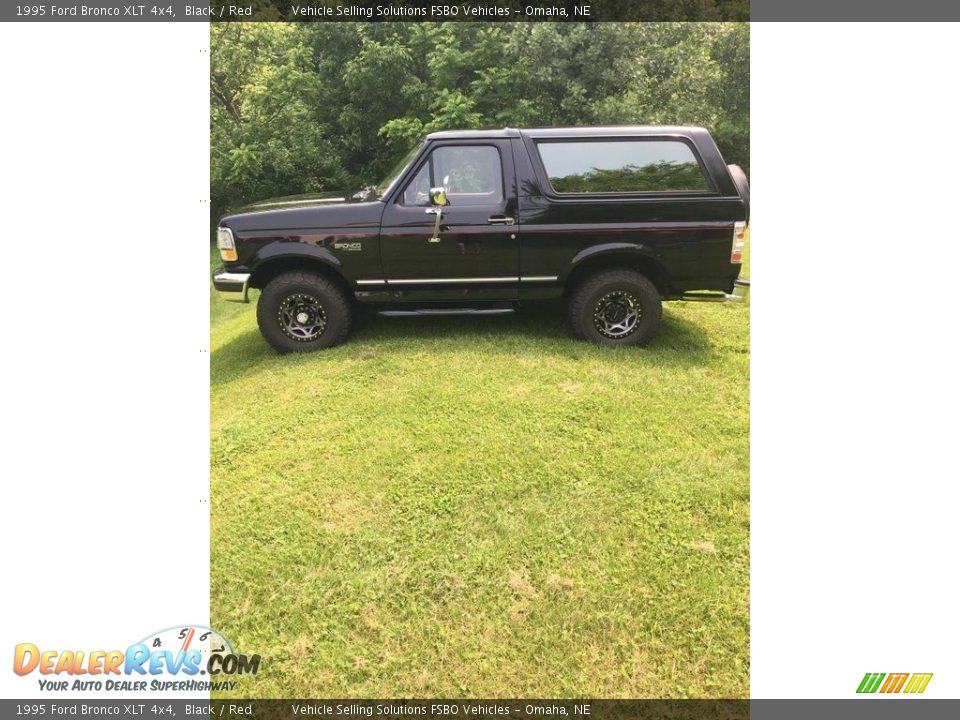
319 210
297 201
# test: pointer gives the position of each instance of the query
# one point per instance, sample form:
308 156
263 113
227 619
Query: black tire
600 308
301 311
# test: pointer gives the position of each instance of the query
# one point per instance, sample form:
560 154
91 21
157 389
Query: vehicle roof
569 132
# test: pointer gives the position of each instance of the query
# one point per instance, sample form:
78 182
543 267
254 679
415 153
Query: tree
305 107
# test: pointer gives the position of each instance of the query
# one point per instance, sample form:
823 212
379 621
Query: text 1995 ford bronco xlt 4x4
613 219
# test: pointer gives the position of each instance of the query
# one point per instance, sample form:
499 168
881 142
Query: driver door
476 254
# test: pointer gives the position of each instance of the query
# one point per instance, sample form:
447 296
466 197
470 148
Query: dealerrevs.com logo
910 683
183 659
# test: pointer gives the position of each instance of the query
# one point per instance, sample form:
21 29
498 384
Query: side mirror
438 196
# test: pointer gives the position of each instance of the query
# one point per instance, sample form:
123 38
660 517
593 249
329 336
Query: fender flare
636 252
271 259
596 251
284 249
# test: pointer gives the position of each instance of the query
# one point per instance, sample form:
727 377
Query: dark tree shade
331 106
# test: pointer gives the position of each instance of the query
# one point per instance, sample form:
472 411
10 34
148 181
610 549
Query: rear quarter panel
688 235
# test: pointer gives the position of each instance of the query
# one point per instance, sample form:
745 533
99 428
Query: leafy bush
299 108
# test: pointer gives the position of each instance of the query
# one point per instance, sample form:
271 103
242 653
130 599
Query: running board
741 289
445 311
706 297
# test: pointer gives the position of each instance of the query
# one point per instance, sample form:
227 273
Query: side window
472 175
622 166
417 191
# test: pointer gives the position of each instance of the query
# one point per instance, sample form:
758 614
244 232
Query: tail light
739 236
228 250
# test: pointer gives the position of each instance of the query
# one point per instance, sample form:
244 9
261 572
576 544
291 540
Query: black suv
613 219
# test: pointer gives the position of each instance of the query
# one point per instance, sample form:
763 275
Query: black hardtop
572 132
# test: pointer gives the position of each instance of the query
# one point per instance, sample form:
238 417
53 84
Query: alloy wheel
617 314
301 317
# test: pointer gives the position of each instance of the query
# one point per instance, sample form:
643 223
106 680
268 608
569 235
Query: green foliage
332 106
655 176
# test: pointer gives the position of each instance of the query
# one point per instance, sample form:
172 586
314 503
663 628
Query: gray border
853 10
873 708
604 10
379 10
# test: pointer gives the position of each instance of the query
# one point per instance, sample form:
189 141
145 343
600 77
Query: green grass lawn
484 507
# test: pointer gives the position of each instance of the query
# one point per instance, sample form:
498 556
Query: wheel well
646 266
267 271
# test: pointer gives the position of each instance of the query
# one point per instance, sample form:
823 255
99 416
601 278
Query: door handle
500 220
435 238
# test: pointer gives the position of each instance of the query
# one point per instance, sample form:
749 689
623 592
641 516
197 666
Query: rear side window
622 166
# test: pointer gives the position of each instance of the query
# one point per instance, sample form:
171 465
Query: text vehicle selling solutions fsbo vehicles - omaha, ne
612 219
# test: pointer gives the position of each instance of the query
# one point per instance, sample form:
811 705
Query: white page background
854 357
105 362
854 346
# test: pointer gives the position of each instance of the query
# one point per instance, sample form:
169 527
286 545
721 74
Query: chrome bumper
741 290
231 286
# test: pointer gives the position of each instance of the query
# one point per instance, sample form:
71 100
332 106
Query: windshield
384 185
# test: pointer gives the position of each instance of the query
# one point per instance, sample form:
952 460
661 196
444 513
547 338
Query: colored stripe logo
894 682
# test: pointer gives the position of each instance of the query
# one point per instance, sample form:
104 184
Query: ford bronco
612 219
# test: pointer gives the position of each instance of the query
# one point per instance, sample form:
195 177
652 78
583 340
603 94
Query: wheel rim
617 314
302 317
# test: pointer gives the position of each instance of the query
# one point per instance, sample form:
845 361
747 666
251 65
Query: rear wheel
302 311
615 307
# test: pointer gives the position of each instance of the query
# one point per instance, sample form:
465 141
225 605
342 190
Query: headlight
228 250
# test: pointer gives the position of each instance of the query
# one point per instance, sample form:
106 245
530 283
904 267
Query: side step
741 288
423 312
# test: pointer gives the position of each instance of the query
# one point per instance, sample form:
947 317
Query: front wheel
302 311
615 307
